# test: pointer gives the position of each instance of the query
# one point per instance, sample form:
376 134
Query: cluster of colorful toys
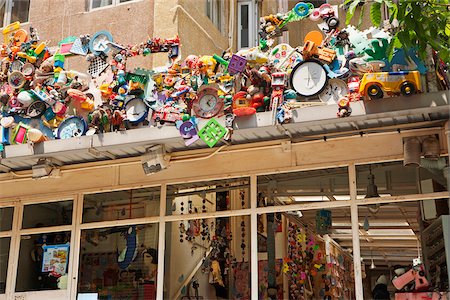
42 100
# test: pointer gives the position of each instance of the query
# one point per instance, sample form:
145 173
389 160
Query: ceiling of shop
393 237
308 123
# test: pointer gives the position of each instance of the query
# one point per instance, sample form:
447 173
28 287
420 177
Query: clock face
208 104
308 78
16 65
100 42
335 90
27 69
16 80
36 109
72 127
136 110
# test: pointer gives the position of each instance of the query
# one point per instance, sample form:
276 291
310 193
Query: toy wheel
301 9
407 89
333 22
374 91
157 119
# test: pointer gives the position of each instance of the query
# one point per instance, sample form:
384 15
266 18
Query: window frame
8 13
113 4
252 24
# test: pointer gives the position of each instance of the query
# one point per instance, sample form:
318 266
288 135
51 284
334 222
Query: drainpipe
447 136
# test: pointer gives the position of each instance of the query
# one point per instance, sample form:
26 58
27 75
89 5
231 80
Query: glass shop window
303 187
43 262
47 214
119 262
6 216
4 255
208 196
208 259
119 205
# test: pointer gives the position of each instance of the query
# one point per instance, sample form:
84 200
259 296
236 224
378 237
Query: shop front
280 219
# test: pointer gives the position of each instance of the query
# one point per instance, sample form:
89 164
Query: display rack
436 252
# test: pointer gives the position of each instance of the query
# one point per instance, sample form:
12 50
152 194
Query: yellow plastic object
39 48
105 90
87 105
30 58
404 82
10 29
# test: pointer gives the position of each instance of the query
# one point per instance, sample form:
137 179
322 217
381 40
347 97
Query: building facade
223 222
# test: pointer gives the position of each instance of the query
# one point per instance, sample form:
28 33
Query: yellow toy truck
374 85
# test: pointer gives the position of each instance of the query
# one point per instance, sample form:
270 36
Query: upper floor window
214 11
247 24
14 10
102 3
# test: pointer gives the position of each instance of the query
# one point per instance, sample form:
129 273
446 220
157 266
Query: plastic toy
279 80
19 134
344 109
353 89
166 114
242 105
374 85
212 133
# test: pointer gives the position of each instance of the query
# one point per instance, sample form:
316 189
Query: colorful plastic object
212 133
72 127
374 85
19 133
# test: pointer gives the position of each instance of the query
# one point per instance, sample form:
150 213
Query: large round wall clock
136 110
308 78
208 104
72 127
335 90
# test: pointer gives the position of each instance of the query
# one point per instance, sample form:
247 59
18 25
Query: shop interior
304 237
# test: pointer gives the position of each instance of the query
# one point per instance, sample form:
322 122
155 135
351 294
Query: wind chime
194 228
243 245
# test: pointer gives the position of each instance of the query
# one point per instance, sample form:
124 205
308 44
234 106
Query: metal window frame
77 225
252 23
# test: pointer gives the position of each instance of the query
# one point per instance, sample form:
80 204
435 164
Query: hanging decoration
323 221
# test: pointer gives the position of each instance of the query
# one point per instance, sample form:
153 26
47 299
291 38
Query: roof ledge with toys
334 82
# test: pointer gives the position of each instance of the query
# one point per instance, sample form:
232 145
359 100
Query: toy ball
146 51
186 117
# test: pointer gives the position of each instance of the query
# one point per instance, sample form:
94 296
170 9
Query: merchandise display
335 65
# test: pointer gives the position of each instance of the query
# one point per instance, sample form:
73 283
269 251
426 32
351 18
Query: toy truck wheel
375 92
407 89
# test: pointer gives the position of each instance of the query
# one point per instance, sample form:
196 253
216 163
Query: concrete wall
129 23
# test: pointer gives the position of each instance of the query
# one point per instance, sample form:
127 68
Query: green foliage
375 14
419 23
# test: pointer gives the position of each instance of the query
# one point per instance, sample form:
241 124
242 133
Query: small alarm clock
136 110
208 103
71 127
